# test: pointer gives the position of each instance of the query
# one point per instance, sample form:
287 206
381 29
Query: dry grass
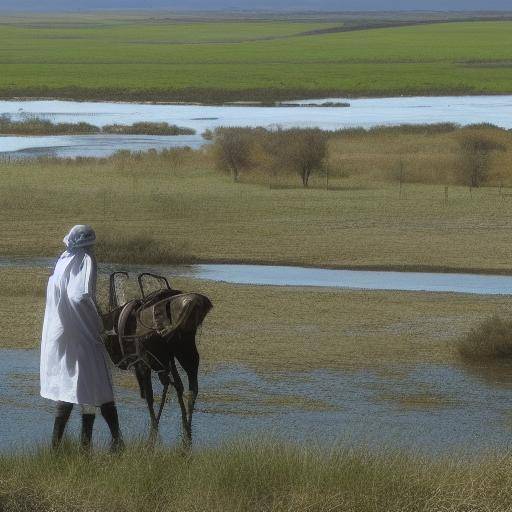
280 328
182 206
254 476
427 157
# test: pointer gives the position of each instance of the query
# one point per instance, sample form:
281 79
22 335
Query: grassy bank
149 59
314 328
253 476
179 206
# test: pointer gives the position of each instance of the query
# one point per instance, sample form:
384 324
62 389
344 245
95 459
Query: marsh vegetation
370 204
253 476
37 126
442 154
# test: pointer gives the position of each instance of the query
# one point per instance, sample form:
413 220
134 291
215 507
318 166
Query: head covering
80 236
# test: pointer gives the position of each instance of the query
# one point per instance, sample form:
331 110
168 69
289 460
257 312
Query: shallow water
98 146
361 113
426 408
314 277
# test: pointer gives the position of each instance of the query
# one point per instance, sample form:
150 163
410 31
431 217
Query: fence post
401 179
446 195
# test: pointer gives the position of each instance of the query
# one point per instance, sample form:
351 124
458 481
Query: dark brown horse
154 333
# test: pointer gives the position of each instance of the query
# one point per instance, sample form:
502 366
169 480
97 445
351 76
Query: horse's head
188 310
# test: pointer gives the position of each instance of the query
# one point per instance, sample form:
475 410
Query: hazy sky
331 5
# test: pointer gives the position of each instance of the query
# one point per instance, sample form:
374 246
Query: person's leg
61 419
109 413
88 417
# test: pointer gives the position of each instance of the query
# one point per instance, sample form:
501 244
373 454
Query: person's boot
61 419
109 413
86 435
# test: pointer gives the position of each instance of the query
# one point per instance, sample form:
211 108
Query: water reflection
97 146
427 407
364 113
492 373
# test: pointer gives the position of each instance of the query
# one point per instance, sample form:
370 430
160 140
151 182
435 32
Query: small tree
477 151
232 150
311 152
302 151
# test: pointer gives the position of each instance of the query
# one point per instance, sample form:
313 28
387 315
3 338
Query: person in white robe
74 362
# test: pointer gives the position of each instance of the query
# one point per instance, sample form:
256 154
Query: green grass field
165 59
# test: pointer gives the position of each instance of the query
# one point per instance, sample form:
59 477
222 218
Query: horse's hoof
117 446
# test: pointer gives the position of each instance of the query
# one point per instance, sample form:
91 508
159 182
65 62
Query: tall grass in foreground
253 477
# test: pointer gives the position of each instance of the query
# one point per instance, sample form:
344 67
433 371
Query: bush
476 153
489 341
232 150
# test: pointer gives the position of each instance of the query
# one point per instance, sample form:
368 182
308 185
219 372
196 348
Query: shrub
232 150
477 150
489 341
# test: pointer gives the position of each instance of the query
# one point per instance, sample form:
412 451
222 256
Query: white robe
74 362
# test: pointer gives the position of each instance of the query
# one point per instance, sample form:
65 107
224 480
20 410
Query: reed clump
37 126
123 248
490 341
145 128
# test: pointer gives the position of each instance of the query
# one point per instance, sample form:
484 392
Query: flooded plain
97 146
424 408
366 113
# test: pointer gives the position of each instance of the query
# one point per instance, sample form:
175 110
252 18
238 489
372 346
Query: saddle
157 317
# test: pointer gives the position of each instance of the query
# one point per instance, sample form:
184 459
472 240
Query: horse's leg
178 385
188 357
143 374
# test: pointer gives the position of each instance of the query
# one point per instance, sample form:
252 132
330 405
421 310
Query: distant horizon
256 11
259 6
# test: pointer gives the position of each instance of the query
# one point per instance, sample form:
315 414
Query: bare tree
232 150
302 151
477 151
307 150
